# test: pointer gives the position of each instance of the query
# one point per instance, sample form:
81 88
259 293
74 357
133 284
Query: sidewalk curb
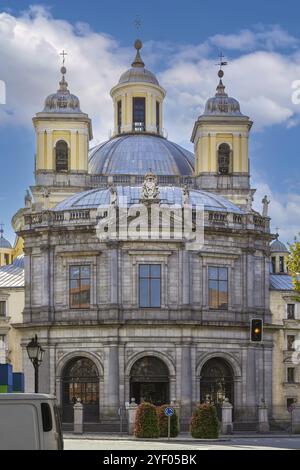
181 440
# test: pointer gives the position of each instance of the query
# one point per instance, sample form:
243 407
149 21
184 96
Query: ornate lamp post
35 353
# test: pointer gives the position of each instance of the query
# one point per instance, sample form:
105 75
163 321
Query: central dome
135 154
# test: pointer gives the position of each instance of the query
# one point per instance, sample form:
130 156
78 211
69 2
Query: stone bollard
131 415
78 417
227 427
296 419
263 418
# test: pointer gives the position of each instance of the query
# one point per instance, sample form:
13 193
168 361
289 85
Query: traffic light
256 332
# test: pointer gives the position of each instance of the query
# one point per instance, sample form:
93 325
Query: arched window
149 381
61 156
224 153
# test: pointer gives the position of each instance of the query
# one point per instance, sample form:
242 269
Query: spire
1 229
63 85
138 62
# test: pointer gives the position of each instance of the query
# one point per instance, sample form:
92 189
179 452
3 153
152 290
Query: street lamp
35 353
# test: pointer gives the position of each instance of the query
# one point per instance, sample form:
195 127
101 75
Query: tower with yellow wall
138 100
6 250
220 137
63 133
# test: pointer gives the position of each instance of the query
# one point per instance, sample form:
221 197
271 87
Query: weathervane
222 62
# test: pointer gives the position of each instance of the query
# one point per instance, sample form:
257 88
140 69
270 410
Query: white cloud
271 37
258 76
284 210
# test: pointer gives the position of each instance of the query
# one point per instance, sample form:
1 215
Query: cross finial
1 229
137 23
63 54
222 62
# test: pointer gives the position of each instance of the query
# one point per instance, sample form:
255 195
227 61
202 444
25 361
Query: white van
29 421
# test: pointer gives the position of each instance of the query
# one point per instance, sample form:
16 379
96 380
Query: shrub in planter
163 422
146 421
204 422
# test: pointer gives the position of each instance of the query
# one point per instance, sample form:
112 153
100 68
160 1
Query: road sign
169 411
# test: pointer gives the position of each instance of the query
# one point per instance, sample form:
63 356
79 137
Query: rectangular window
289 403
80 286
290 342
119 115
157 117
6 259
291 311
150 285
291 375
139 114
218 288
274 264
2 308
281 264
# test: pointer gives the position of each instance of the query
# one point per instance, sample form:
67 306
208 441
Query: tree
146 421
294 266
204 422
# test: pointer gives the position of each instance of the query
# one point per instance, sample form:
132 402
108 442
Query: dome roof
62 101
135 154
137 72
170 195
4 243
278 247
222 104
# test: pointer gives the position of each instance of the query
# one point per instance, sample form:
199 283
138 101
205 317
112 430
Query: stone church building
154 318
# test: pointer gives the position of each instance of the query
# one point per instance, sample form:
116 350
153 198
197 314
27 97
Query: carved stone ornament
150 189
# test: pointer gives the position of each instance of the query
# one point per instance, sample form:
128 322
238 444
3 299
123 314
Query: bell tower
63 133
220 137
138 100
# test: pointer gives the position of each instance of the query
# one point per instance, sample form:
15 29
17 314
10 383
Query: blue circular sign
169 411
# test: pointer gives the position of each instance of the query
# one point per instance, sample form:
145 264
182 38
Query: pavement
182 442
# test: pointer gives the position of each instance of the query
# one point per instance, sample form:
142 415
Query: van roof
26 396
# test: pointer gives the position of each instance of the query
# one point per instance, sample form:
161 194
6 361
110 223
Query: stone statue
150 189
185 195
113 196
46 195
28 200
265 203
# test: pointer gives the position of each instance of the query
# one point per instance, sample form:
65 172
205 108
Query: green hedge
146 421
204 422
163 422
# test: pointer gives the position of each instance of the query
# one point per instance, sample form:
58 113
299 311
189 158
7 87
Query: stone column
186 382
296 419
112 389
227 426
263 419
114 275
78 417
131 410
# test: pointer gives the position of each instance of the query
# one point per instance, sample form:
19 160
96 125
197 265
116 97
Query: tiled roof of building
281 282
12 275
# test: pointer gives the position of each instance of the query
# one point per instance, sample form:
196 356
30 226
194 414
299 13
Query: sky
182 40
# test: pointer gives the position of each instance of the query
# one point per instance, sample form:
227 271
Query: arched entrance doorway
80 380
149 381
216 383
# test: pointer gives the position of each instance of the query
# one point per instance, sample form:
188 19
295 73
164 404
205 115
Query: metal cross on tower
63 54
137 23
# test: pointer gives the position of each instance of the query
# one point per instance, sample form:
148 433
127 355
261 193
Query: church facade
126 315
